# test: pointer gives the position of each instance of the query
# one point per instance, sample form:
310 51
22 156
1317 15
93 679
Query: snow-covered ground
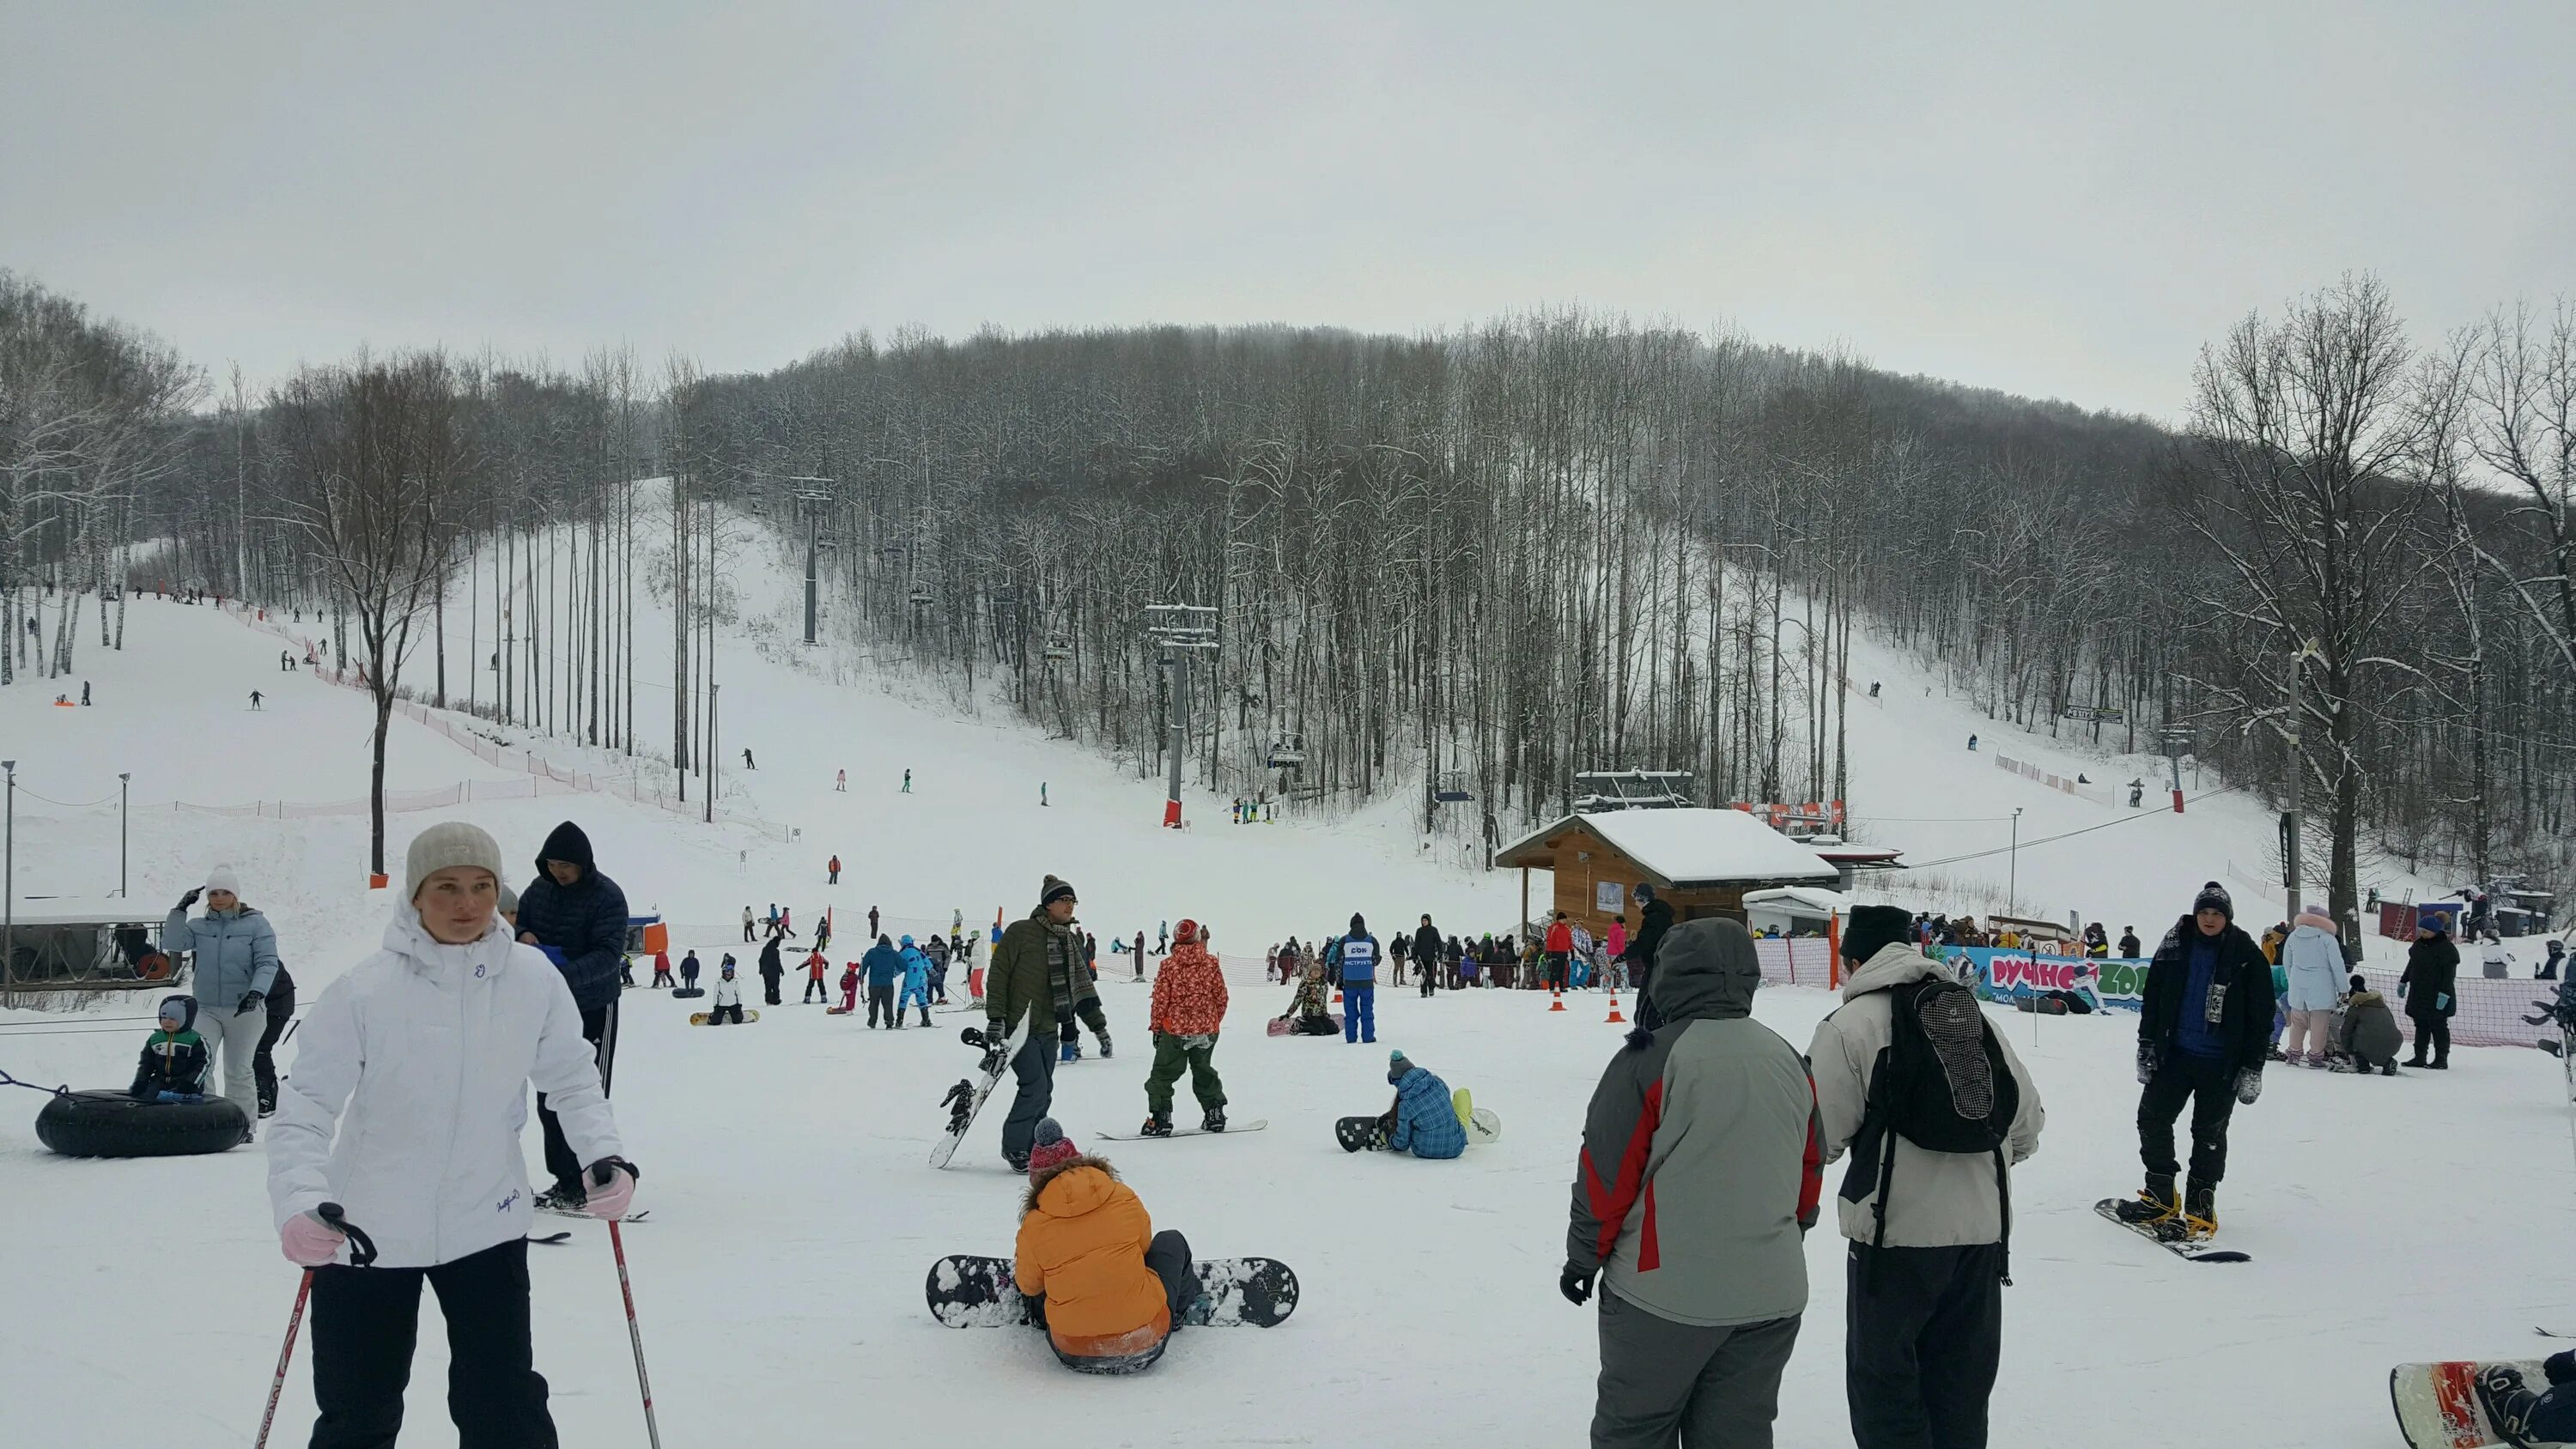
779 1278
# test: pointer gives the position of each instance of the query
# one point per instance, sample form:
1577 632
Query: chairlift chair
1287 752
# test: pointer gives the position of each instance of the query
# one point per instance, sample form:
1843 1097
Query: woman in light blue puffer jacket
2313 959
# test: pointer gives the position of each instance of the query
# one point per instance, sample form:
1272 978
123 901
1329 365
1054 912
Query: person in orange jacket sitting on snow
1107 1288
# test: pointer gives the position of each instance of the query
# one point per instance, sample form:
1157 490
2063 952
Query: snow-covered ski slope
778 1282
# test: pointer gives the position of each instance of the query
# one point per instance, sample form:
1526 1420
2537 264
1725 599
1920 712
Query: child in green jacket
173 1068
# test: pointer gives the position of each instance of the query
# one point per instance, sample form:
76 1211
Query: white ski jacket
728 991
430 1049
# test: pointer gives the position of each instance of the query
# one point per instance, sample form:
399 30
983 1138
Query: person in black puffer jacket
2204 1021
2431 986
577 916
1654 918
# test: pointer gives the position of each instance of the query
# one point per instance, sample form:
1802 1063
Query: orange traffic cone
1615 1017
1558 1001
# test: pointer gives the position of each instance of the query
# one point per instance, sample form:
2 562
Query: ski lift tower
1180 630
811 493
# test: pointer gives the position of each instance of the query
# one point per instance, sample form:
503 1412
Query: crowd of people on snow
1700 1169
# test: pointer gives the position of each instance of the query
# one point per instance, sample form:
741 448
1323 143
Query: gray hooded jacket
1940 1199
1702 1163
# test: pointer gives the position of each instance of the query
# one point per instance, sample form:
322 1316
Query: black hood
1707 970
567 843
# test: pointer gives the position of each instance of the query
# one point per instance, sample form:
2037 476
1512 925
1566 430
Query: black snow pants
366 1321
2206 1084
599 1028
1923 1332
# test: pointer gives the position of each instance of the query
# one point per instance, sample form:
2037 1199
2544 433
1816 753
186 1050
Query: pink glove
611 1200
308 1241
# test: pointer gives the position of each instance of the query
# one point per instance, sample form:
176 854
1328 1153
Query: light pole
2012 877
123 779
9 881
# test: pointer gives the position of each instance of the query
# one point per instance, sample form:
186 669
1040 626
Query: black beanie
1053 890
1872 928
2214 897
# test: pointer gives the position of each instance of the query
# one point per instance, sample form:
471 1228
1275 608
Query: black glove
599 1171
190 898
997 1039
2146 1062
1576 1284
250 1002
2249 1085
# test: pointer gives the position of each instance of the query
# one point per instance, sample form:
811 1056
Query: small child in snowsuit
849 987
175 1059
815 966
916 984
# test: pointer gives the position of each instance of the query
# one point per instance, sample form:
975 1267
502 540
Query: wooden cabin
1699 861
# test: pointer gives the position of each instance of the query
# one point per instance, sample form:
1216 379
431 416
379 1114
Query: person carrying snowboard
1033 978
771 969
815 990
175 1061
1927 1214
1701 1171
916 984
884 966
1105 1286
2204 1022
405 1107
1188 1010
728 999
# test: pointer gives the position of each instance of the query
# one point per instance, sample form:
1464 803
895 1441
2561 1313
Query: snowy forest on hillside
1482 560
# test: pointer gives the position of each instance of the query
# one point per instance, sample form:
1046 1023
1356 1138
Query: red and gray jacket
1703 1159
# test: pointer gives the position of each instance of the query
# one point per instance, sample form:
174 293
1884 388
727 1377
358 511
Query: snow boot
2156 1202
1213 1121
2507 1402
1158 1124
1105 1052
1070 1052
2200 1210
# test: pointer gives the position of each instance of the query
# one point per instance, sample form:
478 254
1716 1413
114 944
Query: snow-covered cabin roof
74 911
1804 900
1680 848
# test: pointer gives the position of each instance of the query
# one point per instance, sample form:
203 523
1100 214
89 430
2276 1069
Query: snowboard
750 1014
2438 1406
1287 1026
1360 1134
1231 1129
2169 1236
967 1098
1481 1123
970 1292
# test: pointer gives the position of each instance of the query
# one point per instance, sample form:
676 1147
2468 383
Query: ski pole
634 1334
362 1252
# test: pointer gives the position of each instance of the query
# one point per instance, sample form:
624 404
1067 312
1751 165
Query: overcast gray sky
2056 198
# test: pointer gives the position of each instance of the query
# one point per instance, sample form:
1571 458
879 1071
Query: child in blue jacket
1424 1120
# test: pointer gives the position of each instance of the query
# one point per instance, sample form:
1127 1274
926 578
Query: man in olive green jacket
1037 975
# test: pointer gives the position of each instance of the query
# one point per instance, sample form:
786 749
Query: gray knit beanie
449 843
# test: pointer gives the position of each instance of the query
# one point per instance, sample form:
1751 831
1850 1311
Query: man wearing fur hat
1923 1316
2204 1022
1037 977
236 959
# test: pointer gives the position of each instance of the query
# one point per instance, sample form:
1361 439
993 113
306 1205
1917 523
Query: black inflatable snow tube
113 1124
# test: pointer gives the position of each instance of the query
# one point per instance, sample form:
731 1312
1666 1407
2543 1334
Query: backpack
1940 1083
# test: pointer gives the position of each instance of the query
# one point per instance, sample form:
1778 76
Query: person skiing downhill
2204 1021
405 1107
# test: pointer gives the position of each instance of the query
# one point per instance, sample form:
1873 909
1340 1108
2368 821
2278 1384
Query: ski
585 1217
2169 1239
1231 1129
550 1239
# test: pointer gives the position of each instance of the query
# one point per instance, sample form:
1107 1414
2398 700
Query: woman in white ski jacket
2312 959
405 1107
